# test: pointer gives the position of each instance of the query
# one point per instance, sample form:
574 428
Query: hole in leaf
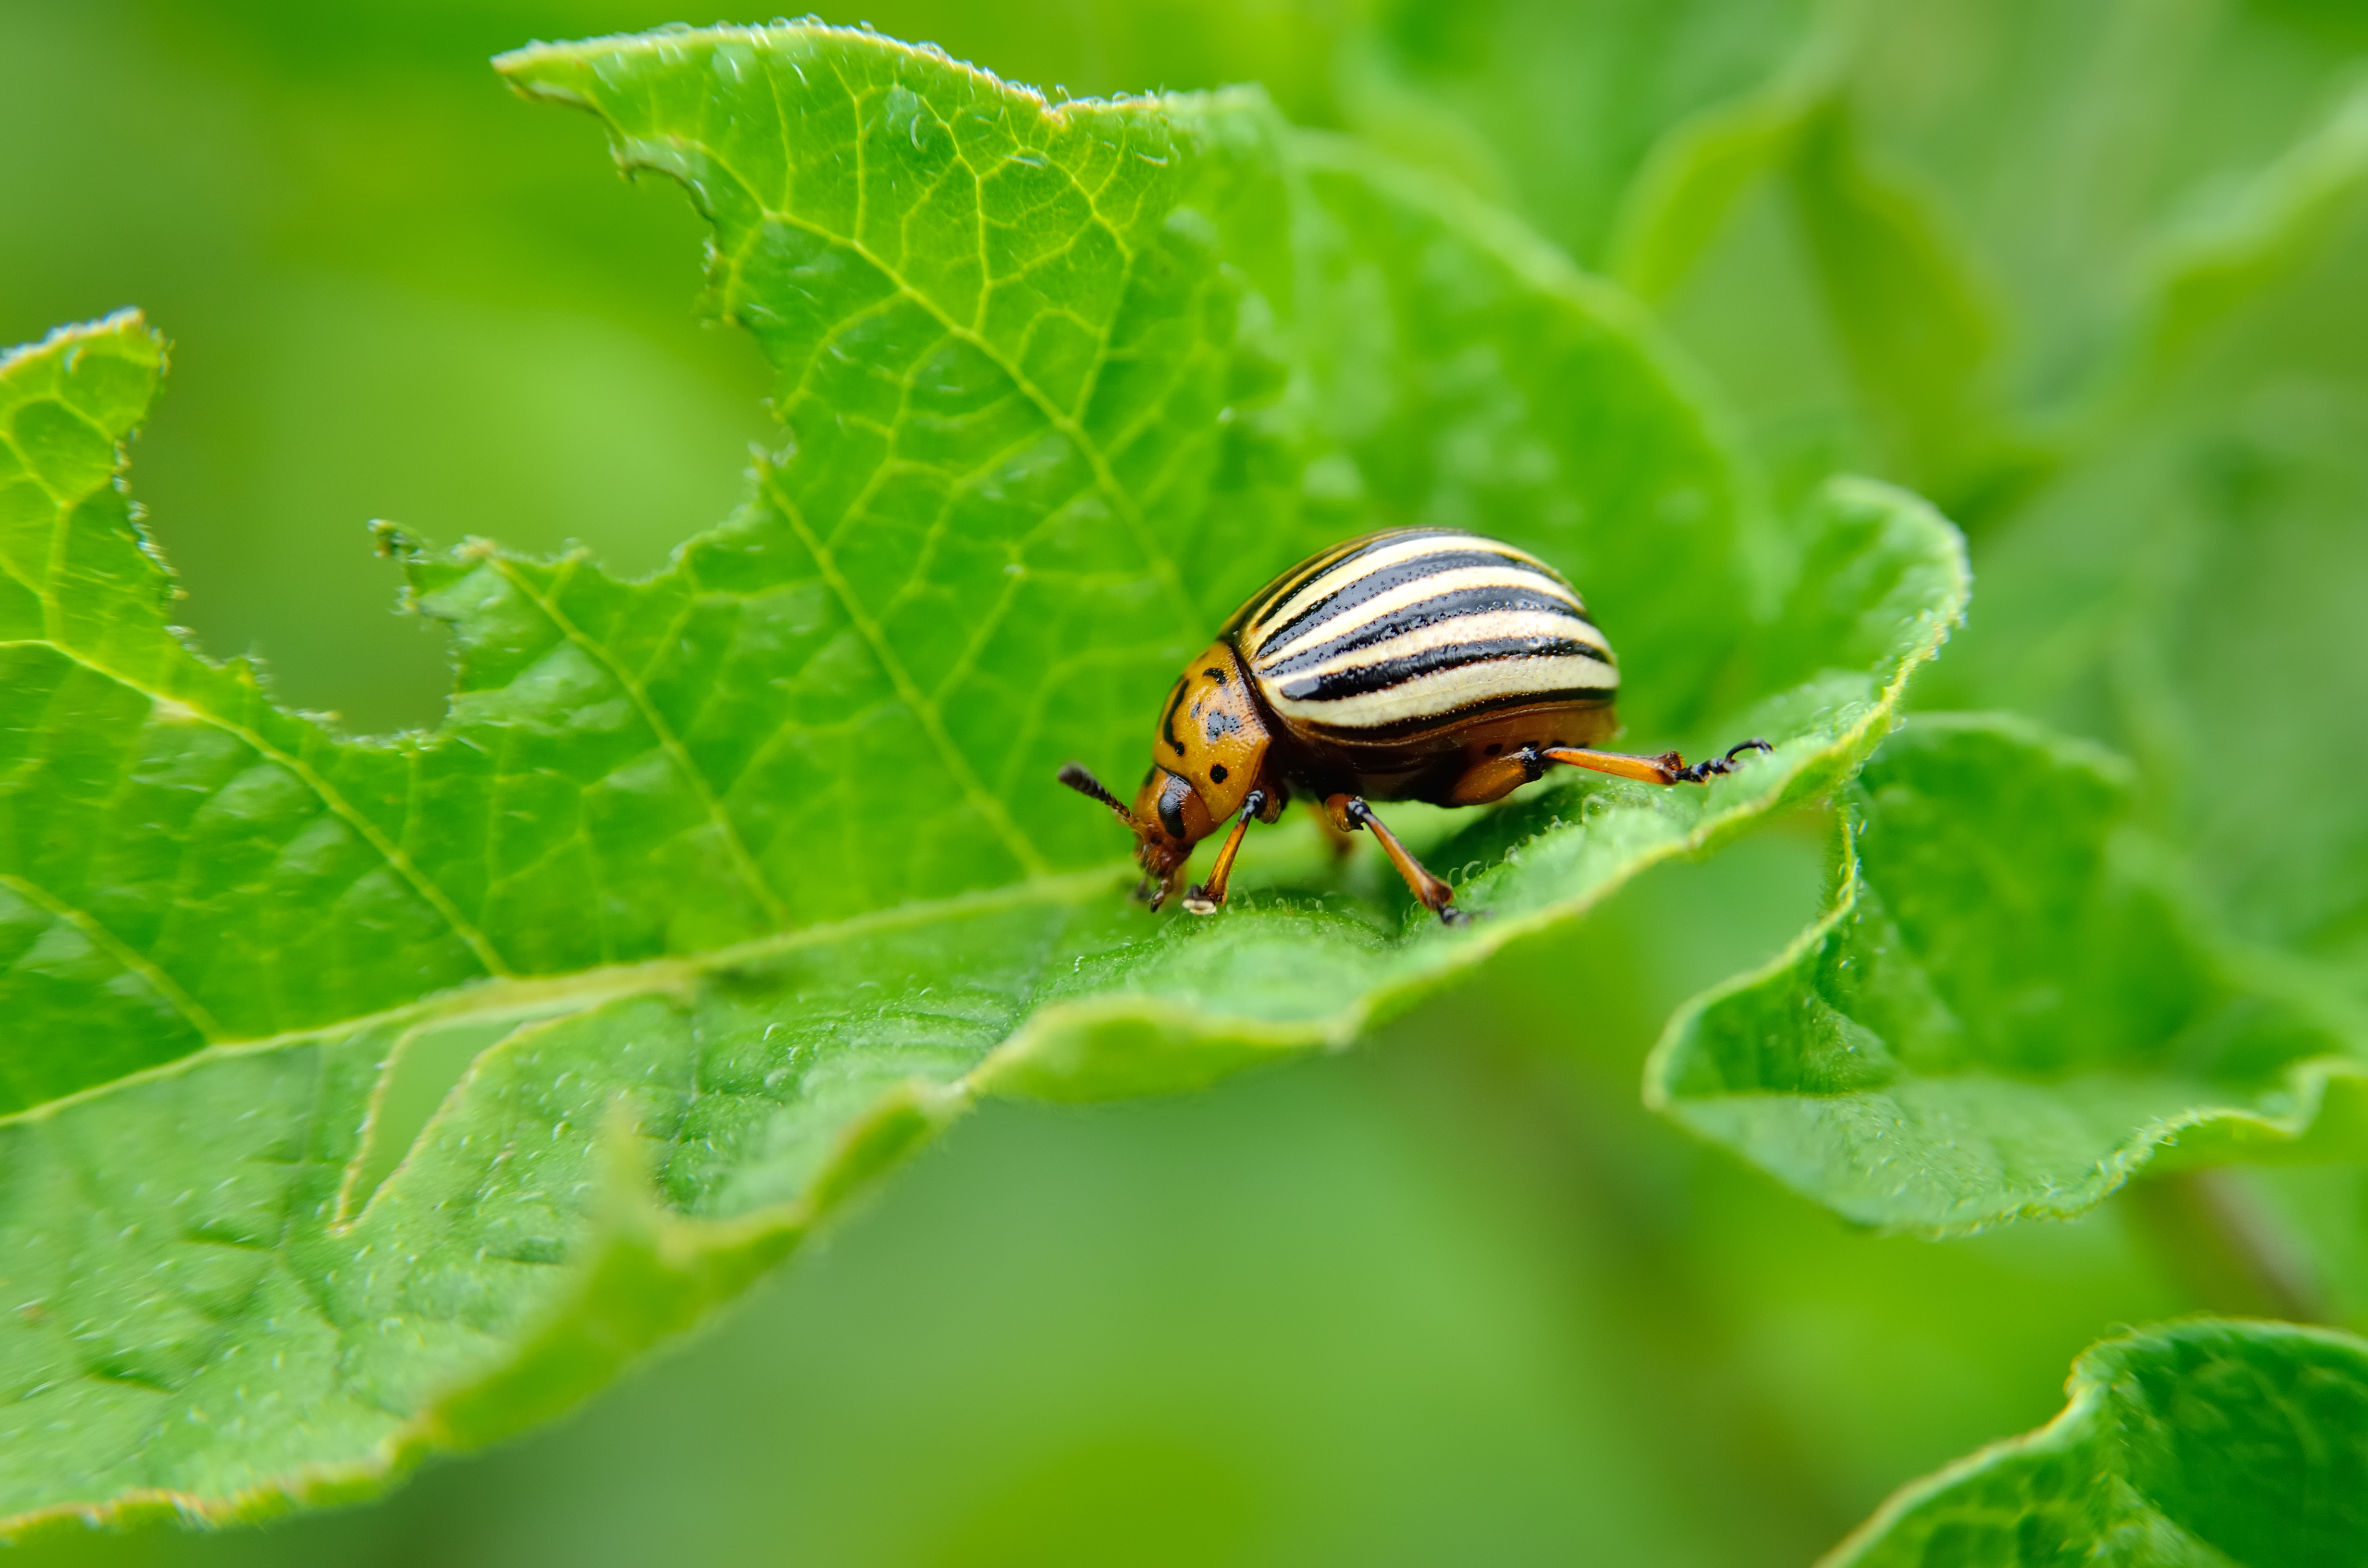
420 1074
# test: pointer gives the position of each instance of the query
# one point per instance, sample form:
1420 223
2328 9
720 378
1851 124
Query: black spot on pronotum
1215 674
1220 724
1217 774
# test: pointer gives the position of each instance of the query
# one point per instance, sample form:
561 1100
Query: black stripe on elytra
1358 590
1382 673
1482 600
1281 588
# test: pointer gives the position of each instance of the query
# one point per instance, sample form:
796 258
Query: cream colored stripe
1432 695
1348 571
1509 575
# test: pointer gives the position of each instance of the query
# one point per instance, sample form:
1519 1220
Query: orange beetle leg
1667 769
1205 899
1349 813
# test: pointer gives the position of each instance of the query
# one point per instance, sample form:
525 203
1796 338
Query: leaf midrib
1106 481
526 995
522 995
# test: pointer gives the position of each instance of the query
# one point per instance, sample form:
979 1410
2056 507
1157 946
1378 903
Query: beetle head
1207 756
1159 852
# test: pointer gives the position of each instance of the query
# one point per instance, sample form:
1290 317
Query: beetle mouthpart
1078 777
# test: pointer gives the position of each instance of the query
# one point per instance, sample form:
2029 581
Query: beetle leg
1667 769
1348 813
1701 771
1204 900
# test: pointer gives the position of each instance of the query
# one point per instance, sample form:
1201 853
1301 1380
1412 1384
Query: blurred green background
1456 1297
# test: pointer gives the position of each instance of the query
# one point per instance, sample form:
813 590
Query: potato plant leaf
719 890
2192 1446
1556 104
1899 303
2193 576
2010 1009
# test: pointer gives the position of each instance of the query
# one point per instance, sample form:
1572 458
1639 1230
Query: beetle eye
1217 774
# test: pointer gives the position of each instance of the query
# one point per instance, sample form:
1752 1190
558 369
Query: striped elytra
1415 665
1419 629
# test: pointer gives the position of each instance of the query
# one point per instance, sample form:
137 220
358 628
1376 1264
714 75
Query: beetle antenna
1078 778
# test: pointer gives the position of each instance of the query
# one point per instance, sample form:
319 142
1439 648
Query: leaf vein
1163 566
1022 848
486 954
122 953
742 865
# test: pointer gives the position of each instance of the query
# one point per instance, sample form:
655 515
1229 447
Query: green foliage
2181 592
2200 1444
733 883
2011 1007
461 1066
2092 281
2091 286
1555 105
1911 322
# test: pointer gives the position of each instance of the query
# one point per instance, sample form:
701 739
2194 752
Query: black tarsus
1702 771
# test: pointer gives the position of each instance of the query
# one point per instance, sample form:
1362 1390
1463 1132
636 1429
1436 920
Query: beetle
1410 664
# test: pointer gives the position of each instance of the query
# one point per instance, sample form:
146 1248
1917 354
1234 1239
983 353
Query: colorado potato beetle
1412 665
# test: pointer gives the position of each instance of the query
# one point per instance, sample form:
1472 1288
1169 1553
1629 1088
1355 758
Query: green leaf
2198 1445
1552 105
1685 193
2294 209
2187 592
1888 293
2009 1010
731 885
2068 150
1639 144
